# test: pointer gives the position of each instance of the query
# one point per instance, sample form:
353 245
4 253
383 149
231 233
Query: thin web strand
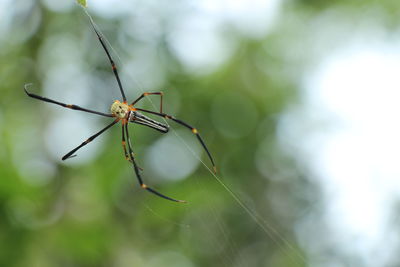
182 225
263 224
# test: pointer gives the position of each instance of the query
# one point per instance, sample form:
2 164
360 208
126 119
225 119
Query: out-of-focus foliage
89 210
82 2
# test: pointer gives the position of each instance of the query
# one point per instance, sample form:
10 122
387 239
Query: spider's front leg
127 157
147 94
70 106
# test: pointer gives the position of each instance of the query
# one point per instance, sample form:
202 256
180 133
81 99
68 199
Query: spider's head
119 109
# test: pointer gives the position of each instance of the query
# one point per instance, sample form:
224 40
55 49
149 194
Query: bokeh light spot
66 132
169 158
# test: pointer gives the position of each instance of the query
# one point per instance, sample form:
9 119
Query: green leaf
82 2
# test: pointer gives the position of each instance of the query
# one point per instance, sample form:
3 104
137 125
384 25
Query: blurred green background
230 68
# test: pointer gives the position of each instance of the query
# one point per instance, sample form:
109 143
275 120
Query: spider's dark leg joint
75 107
196 132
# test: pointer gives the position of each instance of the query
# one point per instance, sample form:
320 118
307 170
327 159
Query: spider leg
124 146
139 177
87 141
45 99
113 66
194 131
146 94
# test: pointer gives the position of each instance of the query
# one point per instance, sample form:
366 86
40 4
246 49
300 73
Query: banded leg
147 94
75 107
139 177
87 141
124 147
124 144
113 66
194 131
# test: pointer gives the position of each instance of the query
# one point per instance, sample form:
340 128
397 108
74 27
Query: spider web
291 252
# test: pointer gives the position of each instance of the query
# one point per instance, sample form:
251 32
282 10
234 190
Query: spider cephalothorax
119 109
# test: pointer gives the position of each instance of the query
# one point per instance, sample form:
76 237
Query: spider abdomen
139 118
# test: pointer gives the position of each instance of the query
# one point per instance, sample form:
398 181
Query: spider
123 112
